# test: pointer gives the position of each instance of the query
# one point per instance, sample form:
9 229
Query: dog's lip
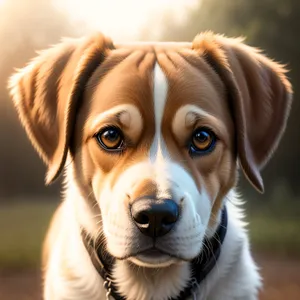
153 257
152 252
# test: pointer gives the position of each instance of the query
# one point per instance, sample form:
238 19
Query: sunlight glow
123 19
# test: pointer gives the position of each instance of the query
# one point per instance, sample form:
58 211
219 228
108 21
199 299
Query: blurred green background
26 205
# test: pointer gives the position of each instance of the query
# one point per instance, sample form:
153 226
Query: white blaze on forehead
158 151
160 98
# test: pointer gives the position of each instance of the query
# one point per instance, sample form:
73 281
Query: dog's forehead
127 76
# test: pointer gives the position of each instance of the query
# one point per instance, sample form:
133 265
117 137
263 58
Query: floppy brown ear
46 93
259 97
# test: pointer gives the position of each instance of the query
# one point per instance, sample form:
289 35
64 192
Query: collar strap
201 265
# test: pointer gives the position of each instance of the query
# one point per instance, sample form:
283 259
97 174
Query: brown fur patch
145 188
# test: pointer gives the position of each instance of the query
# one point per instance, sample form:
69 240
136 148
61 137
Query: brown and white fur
156 94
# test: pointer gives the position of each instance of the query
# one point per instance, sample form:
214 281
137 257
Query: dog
151 138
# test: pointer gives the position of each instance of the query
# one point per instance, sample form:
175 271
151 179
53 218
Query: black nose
154 218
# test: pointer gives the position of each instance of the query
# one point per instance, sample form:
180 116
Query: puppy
150 137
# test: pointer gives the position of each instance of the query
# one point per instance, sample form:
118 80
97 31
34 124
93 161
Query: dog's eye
203 141
110 138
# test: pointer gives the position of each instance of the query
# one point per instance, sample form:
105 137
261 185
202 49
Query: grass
23 227
279 236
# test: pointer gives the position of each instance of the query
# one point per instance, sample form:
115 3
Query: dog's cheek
227 177
215 175
98 169
83 170
102 192
98 183
214 171
101 160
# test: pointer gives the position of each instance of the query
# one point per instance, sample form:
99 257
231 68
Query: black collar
201 265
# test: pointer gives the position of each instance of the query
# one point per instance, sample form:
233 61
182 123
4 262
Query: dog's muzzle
154 218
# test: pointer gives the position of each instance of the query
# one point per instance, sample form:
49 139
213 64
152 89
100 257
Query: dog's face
150 133
155 133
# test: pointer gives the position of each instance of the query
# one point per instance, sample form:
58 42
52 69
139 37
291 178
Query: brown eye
110 138
203 141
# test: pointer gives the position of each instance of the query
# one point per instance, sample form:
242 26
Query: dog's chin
153 259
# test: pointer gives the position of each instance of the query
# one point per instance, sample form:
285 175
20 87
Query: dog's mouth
153 258
153 252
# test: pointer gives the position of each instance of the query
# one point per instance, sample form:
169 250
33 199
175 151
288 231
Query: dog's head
154 132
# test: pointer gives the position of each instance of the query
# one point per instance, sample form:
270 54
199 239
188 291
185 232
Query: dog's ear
46 93
259 96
